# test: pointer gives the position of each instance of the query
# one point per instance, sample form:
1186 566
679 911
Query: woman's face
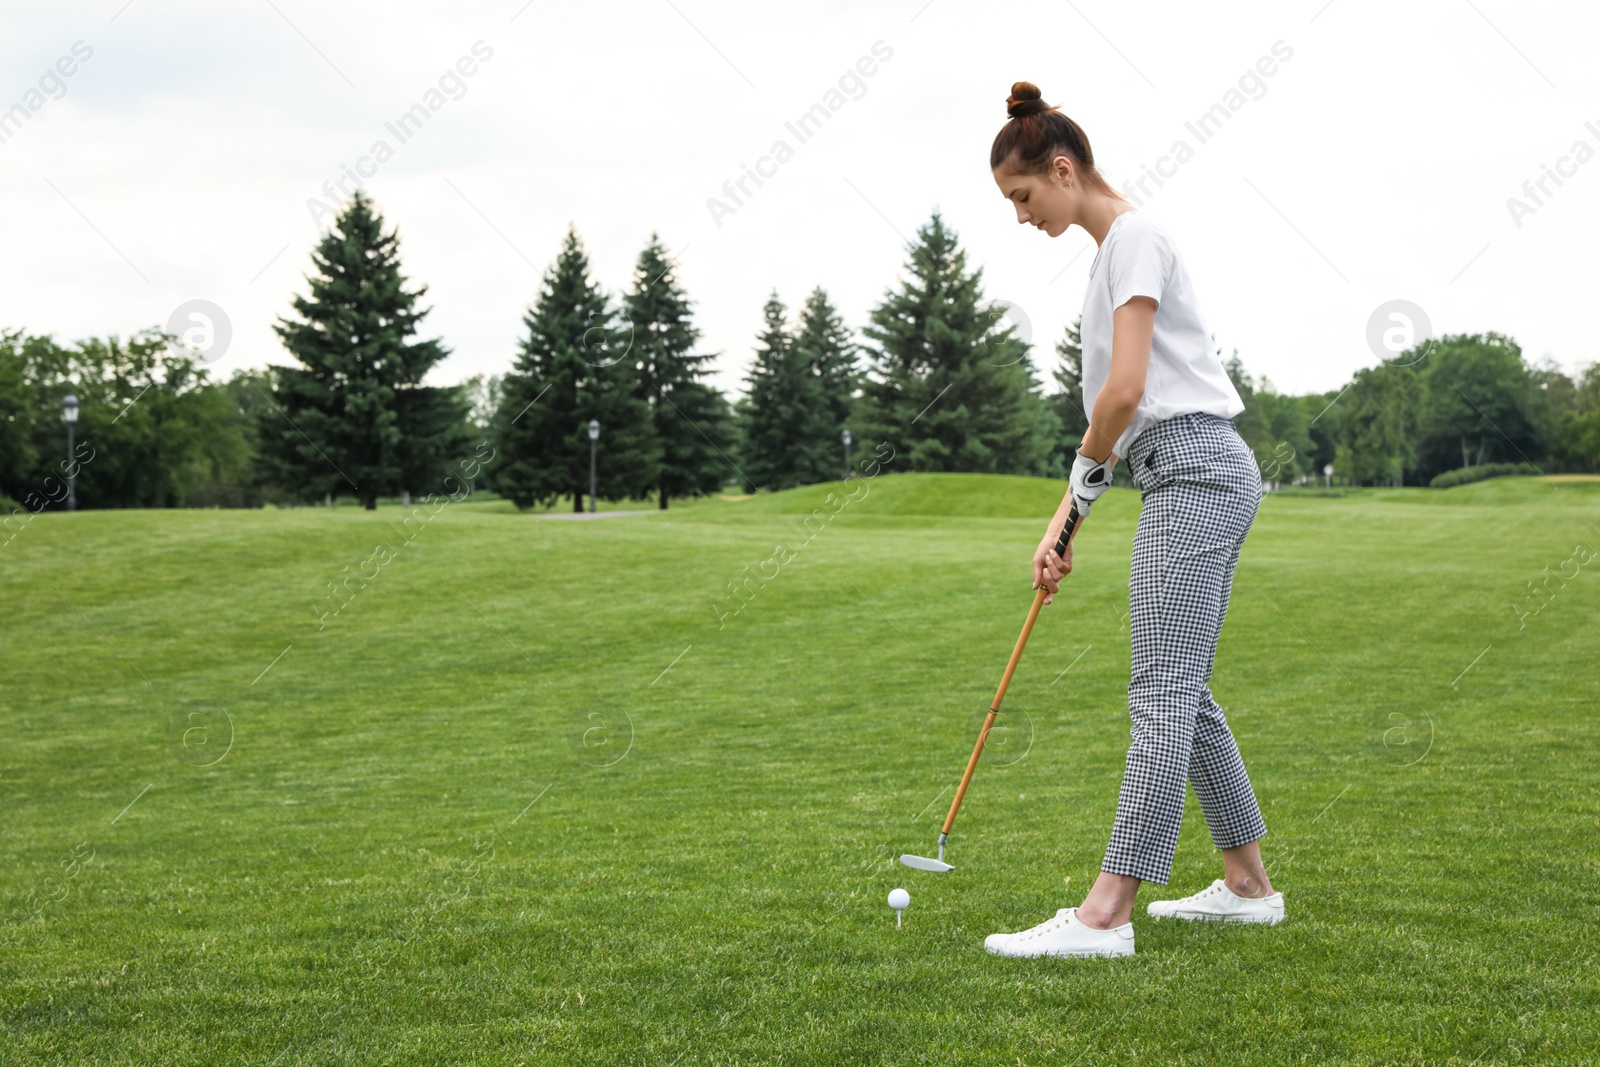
1047 201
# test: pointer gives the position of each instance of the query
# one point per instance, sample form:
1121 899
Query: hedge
1463 475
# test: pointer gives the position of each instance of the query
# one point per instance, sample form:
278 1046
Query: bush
1463 475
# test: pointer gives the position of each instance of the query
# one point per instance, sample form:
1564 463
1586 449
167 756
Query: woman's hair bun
1024 101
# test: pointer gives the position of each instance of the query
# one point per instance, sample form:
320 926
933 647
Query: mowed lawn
535 795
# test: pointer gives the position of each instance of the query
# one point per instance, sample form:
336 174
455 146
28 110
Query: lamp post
845 437
69 415
594 437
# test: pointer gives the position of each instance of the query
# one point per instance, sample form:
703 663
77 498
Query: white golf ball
899 899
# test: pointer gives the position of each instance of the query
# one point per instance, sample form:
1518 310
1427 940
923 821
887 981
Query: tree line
937 370
1432 414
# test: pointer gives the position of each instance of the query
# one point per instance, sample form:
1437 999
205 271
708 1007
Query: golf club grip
1067 531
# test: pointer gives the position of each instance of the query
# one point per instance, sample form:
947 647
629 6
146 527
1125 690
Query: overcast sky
179 157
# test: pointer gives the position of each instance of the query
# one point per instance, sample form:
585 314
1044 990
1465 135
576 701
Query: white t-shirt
1139 258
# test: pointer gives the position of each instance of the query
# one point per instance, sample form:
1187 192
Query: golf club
939 866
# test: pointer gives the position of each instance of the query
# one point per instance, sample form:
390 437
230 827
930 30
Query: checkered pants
1201 489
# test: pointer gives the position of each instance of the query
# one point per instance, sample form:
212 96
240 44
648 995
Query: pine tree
435 435
18 398
950 387
692 420
825 345
354 417
784 421
1068 403
574 365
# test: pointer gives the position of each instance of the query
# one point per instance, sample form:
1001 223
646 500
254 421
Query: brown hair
1036 133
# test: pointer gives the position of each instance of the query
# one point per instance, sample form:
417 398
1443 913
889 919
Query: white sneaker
1220 902
1063 935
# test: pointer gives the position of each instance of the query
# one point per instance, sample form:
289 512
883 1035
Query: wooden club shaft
1067 531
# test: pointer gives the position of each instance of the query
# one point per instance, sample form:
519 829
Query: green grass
476 818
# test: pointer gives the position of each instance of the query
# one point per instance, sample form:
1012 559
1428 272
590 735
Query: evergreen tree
574 365
354 416
950 387
692 420
825 345
1251 422
435 435
784 420
18 399
1068 403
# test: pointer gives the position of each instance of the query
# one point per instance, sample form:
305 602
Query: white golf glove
1090 478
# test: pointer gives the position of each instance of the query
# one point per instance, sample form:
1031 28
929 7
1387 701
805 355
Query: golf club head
923 863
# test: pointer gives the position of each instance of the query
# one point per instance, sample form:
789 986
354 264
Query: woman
1158 397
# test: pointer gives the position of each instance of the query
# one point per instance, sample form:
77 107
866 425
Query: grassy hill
537 793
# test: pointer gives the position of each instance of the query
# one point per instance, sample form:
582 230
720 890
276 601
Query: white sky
1376 164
